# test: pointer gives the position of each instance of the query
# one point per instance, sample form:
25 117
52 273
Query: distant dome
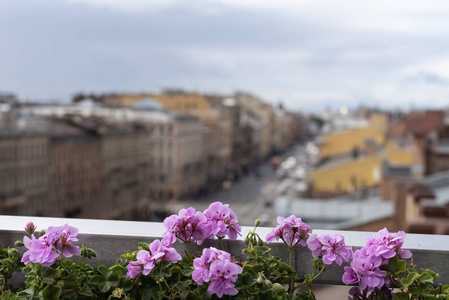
147 104
88 103
229 102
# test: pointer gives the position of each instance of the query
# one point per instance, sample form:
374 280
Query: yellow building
351 174
348 175
343 142
184 102
400 155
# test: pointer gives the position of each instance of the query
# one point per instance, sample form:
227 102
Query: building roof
389 170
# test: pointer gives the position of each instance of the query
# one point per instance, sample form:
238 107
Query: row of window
25 179
11 151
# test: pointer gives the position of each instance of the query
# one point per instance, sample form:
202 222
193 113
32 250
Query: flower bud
260 242
278 288
117 293
259 279
257 223
268 284
254 240
246 241
42 233
30 228
19 243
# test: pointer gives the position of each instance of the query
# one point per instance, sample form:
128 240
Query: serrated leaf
426 278
85 290
431 273
406 282
104 271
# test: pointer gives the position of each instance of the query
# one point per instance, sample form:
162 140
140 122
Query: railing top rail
156 229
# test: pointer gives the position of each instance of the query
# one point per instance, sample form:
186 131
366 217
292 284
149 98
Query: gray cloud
307 56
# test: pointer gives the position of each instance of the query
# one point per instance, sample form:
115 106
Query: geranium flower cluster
146 260
291 230
366 265
217 267
47 248
331 248
218 220
222 220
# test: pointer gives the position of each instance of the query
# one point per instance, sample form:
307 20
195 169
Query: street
250 198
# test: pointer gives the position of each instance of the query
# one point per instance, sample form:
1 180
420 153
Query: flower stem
221 242
317 275
290 257
292 279
187 249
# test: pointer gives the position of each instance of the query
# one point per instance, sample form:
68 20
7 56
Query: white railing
110 239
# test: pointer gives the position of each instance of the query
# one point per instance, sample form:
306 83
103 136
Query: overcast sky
309 54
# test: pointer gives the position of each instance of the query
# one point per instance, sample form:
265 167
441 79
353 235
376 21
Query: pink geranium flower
332 248
146 260
222 221
47 248
291 231
217 267
366 263
187 225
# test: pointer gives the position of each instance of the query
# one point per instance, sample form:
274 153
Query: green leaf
48 275
126 283
51 292
432 273
85 290
149 293
427 278
193 296
421 289
395 266
247 268
104 271
278 289
406 282
182 287
97 280
245 280
106 286
401 296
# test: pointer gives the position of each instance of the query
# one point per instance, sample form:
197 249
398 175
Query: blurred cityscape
144 156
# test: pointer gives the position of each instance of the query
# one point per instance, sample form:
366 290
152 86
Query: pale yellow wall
183 102
366 171
398 156
130 99
345 141
379 122
186 102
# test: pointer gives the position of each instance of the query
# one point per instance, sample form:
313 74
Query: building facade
24 168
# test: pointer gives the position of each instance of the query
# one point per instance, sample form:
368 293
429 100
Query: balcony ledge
110 239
